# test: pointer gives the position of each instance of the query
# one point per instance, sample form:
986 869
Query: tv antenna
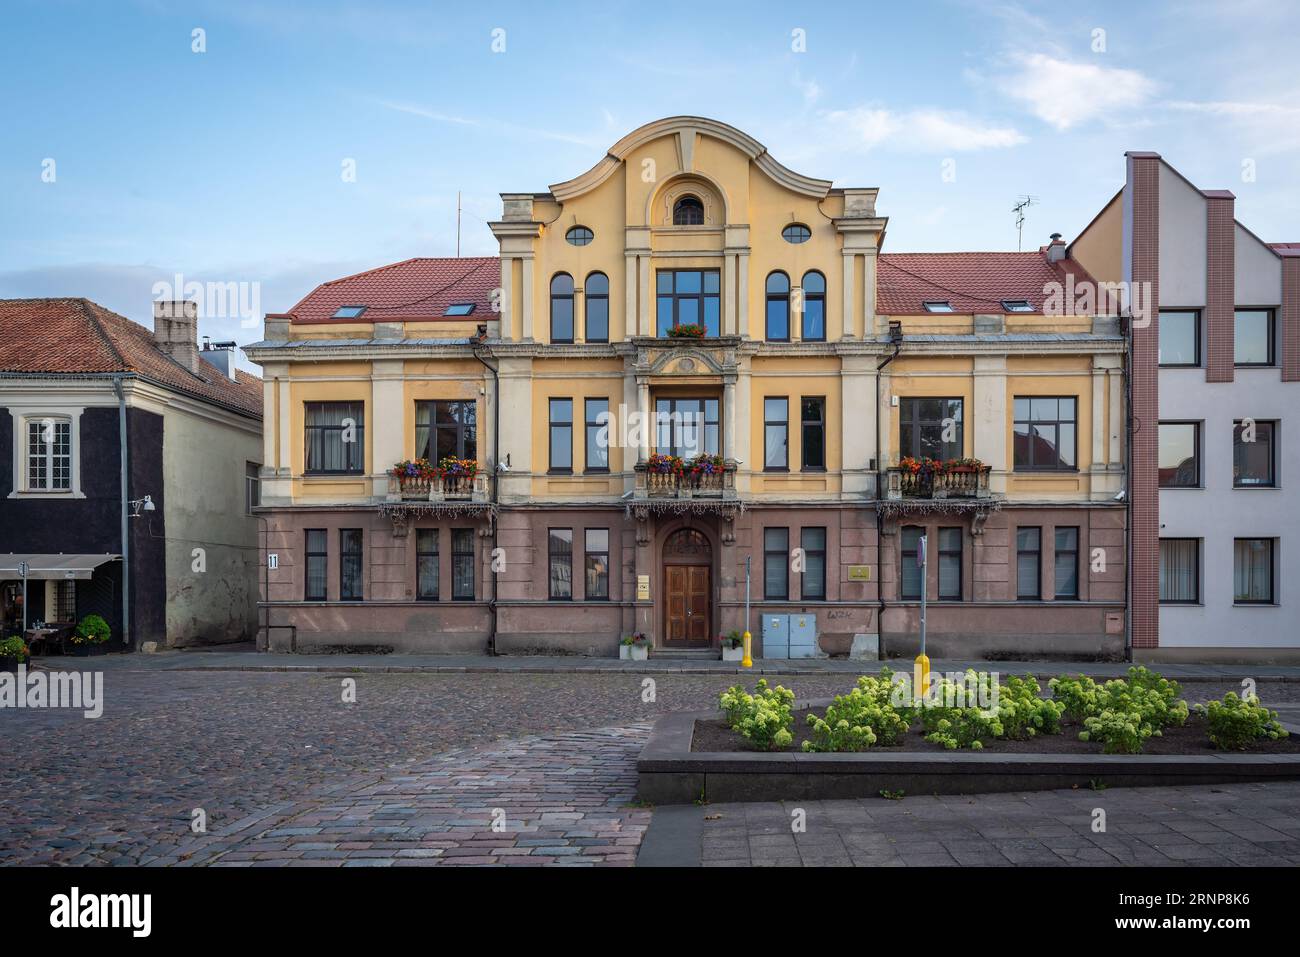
457 224
1019 209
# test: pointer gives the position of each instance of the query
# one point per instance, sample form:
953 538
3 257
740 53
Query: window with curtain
1067 563
596 293
930 428
426 564
317 556
446 428
814 307
1252 571
776 563
776 434
335 433
562 307
778 307
1029 564
560 551
596 557
597 419
350 564
909 573
462 564
49 455
950 545
1180 571
813 543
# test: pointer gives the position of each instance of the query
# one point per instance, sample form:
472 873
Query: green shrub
763 718
1023 712
862 718
92 630
1122 713
1237 723
954 719
13 648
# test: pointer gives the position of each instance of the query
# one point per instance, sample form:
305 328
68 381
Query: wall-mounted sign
272 561
642 587
859 573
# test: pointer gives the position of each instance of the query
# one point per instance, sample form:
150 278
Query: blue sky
226 165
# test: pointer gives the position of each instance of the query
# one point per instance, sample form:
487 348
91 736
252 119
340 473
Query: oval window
579 236
796 233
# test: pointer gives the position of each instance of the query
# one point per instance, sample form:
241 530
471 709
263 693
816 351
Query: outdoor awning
54 567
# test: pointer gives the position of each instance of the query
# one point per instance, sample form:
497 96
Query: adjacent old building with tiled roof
135 457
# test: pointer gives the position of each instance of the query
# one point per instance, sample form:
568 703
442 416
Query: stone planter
639 652
624 652
733 654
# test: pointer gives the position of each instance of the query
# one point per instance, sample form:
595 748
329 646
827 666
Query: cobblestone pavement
414 766
1223 825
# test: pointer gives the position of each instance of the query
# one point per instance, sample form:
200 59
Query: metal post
23 569
748 660
922 669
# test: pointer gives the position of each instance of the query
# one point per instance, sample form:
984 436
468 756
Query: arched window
688 211
778 307
814 306
562 308
596 291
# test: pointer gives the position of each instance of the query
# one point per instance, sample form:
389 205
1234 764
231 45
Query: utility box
776 636
803 636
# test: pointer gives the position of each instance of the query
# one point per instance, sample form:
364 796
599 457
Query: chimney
1056 249
221 355
176 330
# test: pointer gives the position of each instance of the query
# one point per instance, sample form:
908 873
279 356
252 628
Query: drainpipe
126 498
1128 494
496 469
896 337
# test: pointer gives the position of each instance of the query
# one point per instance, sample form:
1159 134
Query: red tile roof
71 336
413 290
972 282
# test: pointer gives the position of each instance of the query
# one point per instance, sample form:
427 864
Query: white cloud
1065 94
809 88
926 130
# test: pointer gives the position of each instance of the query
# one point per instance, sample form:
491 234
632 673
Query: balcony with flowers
927 478
702 476
449 480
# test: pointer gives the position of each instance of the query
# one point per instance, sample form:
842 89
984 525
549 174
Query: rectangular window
776 434
1029 564
1045 433
1252 340
687 427
446 429
350 556
1180 571
65 601
687 297
317 560
1067 562
776 563
950 544
1252 571
559 548
909 572
252 487
1180 338
930 428
813 583
561 435
426 564
1253 456
596 556
1179 462
813 420
462 564
597 419
335 433
49 455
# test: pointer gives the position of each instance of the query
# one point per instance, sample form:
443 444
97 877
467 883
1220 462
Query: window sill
47 493
1255 604
559 471
1248 488
334 475
1180 488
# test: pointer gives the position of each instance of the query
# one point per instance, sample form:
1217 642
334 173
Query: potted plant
635 647
733 646
687 330
13 652
963 465
90 636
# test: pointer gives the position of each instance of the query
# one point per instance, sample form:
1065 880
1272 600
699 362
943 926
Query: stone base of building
1218 656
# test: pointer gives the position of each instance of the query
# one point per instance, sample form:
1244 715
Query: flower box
624 652
639 652
733 654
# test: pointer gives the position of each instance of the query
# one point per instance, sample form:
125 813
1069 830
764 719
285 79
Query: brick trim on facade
1144 341
1220 291
1290 319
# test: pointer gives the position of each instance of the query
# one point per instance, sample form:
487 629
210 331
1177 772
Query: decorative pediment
675 360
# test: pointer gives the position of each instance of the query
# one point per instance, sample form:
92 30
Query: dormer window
459 309
348 312
1017 305
937 305
688 211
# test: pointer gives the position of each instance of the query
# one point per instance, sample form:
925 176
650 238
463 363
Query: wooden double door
688 595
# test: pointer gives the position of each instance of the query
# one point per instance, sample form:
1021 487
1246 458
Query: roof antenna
457 224
1019 209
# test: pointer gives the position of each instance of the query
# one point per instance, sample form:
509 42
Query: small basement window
937 306
348 312
459 309
1017 305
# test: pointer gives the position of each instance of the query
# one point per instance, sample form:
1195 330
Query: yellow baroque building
694 376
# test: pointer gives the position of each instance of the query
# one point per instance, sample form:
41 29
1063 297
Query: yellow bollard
748 660
922 675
